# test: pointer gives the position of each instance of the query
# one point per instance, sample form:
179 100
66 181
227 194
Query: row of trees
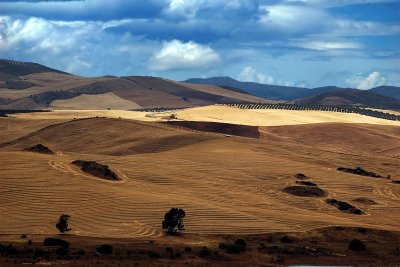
342 109
172 223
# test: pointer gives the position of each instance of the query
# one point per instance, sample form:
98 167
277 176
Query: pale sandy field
217 113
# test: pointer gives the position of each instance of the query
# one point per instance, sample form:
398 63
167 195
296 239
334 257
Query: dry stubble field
228 186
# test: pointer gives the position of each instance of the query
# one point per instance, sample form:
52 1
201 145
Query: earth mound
364 200
359 171
306 183
96 169
344 206
300 176
305 191
39 148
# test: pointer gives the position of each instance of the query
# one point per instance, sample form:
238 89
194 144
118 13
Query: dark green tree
62 224
173 221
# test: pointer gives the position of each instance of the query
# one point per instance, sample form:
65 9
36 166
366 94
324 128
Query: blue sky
311 43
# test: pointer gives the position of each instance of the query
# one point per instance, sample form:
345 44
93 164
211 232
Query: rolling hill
389 91
289 93
352 97
274 92
25 85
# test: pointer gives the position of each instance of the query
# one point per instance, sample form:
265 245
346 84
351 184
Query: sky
307 43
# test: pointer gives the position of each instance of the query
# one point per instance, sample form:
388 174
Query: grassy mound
359 171
96 169
39 148
306 183
305 191
344 206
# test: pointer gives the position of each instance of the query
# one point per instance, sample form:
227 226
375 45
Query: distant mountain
287 93
266 91
390 91
25 85
352 97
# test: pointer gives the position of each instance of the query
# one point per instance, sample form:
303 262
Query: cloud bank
309 42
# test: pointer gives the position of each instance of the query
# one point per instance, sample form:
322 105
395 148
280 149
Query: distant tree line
332 108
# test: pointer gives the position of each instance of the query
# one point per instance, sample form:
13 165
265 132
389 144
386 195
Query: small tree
62 224
173 221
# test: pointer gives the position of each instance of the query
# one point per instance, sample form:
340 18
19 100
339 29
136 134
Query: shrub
238 246
62 251
188 249
169 249
50 241
39 253
300 176
153 254
357 245
178 255
205 252
286 239
105 249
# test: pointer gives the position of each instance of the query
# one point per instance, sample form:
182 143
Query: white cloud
292 19
374 79
176 54
332 45
332 3
248 74
190 8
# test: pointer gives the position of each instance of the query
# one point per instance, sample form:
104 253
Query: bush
105 249
357 245
300 176
222 246
238 246
188 249
205 252
50 241
286 239
169 249
153 254
62 251
177 255
39 253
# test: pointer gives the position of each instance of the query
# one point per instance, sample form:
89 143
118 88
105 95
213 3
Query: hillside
32 86
389 91
288 93
352 97
227 177
274 92
220 188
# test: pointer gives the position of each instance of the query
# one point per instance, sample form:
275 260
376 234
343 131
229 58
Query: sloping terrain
339 137
101 136
274 92
352 97
225 185
13 68
389 91
32 86
290 93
